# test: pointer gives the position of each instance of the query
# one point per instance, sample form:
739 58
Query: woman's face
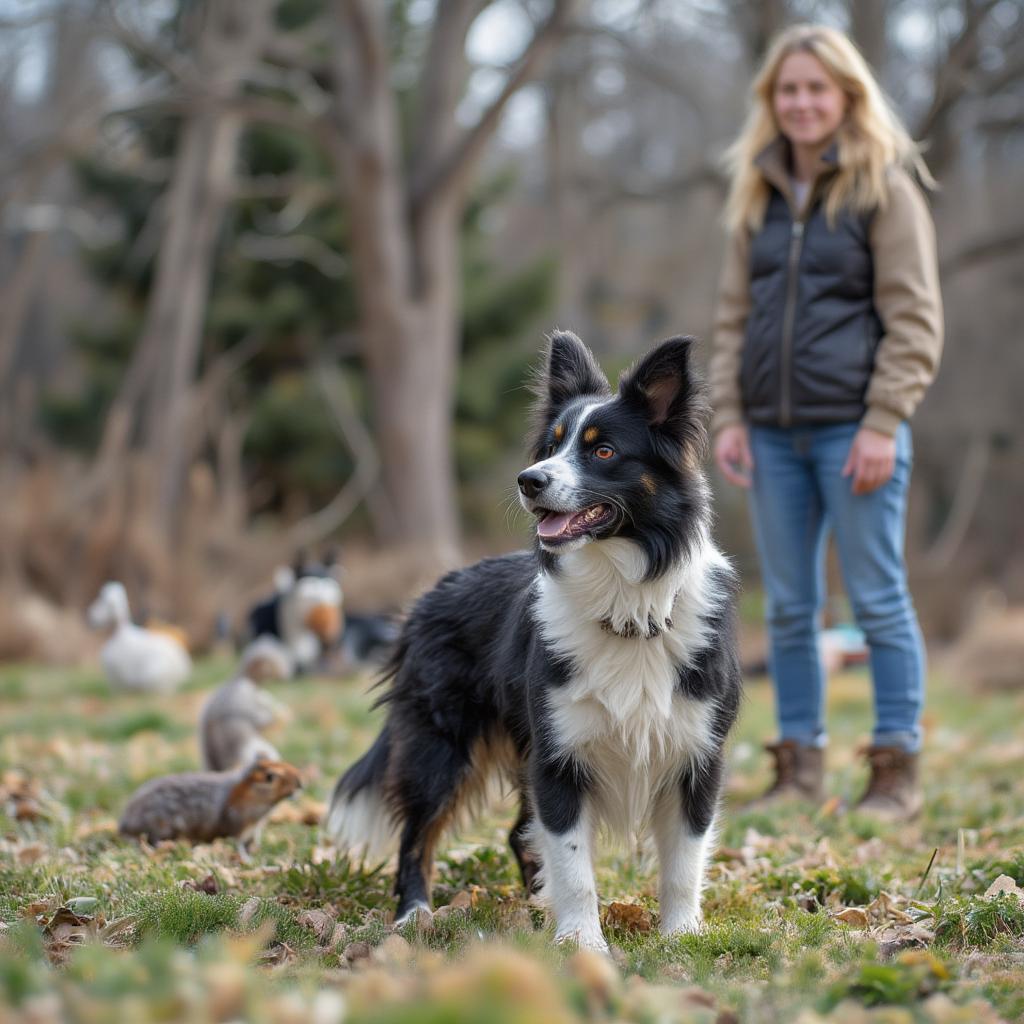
808 104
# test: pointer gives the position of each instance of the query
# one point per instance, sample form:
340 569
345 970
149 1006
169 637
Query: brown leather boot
893 793
799 775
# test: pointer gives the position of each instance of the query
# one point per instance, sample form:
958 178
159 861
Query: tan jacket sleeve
729 332
909 303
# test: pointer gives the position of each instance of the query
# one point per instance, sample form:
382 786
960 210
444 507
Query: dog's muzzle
532 482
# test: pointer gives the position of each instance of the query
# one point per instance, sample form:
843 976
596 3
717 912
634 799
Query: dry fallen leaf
247 911
26 809
308 812
886 908
1004 883
30 853
66 918
698 997
276 954
338 936
599 977
119 932
629 917
728 853
923 957
443 913
853 916
462 900
225 990
319 922
208 885
516 917
897 938
394 951
43 906
355 951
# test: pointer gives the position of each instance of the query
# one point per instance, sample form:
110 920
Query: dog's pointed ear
667 387
571 371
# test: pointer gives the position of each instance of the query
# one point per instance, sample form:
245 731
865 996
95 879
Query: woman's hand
732 454
871 461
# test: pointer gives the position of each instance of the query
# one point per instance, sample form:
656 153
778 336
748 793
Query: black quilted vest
812 330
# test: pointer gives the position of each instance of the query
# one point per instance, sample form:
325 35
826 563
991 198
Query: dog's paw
584 939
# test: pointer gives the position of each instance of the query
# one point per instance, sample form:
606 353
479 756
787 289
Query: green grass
152 947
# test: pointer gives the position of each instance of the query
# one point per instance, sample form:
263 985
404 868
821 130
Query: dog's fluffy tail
358 817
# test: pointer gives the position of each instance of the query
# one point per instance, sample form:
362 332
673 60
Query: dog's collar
631 630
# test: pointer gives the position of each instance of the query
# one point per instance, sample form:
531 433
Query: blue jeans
798 494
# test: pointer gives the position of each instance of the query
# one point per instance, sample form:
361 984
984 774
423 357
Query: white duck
135 658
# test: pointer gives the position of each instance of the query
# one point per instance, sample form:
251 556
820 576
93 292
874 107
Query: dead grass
810 916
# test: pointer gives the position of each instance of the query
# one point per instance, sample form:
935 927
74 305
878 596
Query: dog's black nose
532 482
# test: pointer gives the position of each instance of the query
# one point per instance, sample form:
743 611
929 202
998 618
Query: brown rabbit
203 806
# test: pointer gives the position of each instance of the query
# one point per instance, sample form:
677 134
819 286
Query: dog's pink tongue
554 524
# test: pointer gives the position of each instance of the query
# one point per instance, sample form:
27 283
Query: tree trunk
177 307
411 347
231 35
70 78
17 294
568 225
868 21
405 248
940 556
758 21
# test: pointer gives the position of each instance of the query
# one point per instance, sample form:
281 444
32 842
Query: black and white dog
601 672
304 613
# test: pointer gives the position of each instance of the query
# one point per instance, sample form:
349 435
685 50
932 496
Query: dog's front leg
683 832
565 840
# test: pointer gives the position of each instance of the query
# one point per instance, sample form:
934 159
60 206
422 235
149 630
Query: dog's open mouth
558 527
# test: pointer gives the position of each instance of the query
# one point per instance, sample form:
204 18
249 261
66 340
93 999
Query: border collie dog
599 672
304 613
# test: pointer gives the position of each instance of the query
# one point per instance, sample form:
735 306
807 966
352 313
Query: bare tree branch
452 168
608 195
291 248
210 386
442 80
952 75
988 249
284 186
176 65
207 393
972 480
638 59
37 157
43 17
16 294
350 429
1012 72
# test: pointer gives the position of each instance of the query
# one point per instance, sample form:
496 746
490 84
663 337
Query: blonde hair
870 139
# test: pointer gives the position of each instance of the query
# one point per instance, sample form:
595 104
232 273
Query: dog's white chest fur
622 713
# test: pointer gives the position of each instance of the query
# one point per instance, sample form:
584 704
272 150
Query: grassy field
809 917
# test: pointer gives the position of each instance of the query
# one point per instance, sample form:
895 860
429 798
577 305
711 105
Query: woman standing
828 332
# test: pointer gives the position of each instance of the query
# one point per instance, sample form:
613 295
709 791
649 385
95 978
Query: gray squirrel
232 720
203 806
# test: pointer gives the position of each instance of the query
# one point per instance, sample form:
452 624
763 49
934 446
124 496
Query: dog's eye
549 450
604 451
